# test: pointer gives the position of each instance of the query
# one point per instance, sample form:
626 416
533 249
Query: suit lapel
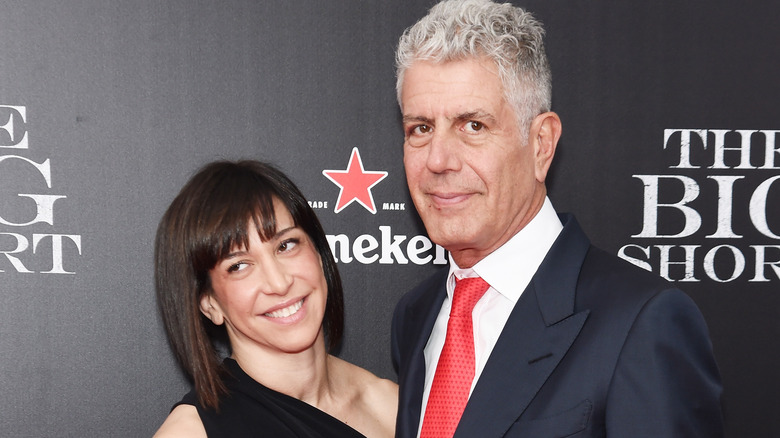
523 359
537 335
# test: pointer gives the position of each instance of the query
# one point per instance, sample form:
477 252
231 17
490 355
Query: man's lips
446 199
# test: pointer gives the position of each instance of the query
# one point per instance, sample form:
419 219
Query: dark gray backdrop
126 99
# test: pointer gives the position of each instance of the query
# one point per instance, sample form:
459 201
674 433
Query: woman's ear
210 308
544 135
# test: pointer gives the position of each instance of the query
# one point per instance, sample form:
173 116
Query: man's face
471 175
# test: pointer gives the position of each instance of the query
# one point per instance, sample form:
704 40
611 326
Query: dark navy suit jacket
595 347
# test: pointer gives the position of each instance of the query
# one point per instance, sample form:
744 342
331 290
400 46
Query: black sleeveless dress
252 410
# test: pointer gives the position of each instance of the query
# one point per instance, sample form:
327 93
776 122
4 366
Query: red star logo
355 183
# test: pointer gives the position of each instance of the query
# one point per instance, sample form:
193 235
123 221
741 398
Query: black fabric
252 410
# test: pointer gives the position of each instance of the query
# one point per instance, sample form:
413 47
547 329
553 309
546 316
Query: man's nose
443 152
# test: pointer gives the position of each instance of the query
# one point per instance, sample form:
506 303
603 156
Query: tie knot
467 292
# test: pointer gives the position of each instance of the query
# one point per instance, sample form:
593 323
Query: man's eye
421 129
474 126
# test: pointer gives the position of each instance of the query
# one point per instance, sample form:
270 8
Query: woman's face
272 294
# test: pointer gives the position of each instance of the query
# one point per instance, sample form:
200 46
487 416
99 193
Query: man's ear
544 135
210 308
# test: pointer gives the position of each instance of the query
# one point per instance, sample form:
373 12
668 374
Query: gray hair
511 37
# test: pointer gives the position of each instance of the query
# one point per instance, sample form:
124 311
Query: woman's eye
288 245
235 267
474 126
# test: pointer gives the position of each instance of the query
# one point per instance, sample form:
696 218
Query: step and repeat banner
670 158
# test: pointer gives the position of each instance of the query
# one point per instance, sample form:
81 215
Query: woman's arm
183 422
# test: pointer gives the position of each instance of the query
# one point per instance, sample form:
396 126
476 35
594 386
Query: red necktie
455 370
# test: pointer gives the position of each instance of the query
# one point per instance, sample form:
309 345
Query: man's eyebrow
462 117
410 119
475 115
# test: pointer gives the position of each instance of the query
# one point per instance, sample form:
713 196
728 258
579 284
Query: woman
243 270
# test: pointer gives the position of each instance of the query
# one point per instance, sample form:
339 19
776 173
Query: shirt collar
510 268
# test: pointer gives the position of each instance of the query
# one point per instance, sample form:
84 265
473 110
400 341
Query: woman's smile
286 314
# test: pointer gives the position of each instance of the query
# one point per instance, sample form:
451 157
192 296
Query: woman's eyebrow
234 254
281 233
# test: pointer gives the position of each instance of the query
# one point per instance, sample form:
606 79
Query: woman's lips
286 311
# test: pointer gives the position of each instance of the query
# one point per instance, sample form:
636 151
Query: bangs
232 206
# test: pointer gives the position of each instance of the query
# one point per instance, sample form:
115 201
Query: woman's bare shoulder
381 392
375 400
380 400
366 380
183 421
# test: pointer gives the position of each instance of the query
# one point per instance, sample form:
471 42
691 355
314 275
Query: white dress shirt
507 270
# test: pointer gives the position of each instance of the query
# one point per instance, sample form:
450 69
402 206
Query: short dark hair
206 220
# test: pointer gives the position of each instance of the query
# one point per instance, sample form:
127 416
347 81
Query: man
567 340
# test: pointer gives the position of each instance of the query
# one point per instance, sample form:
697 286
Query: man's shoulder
426 289
606 280
602 266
